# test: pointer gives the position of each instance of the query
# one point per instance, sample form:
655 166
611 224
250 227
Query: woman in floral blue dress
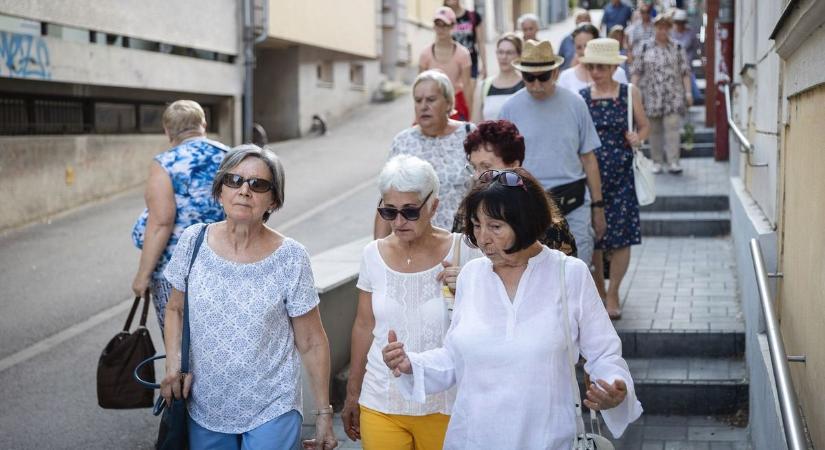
607 101
178 194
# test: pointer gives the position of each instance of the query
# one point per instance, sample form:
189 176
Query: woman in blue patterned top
253 320
178 194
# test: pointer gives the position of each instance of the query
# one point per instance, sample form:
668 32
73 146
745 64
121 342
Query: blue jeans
280 433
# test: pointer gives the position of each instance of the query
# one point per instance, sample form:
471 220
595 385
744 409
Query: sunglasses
529 77
258 185
505 177
409 212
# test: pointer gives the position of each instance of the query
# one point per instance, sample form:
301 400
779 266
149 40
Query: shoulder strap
456 249
184 344
569 344
630 107
488 83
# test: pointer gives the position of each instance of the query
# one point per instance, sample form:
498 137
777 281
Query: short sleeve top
191 166
660 69
459 63
446 154
245 367
412 305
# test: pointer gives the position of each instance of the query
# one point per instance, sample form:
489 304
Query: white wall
208 25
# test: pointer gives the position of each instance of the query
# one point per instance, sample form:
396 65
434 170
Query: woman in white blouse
400 288
505 349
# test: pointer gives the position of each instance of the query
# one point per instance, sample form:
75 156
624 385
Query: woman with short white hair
400 287
437 139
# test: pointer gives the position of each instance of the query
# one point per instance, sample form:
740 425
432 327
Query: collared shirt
660 70
616 15
511 356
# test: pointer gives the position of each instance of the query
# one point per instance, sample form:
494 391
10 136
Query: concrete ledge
335 272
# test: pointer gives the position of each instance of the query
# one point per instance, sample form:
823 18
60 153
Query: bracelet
597 204
324 410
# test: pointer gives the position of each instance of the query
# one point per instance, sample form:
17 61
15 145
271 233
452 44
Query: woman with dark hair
506 348
497 144
577 77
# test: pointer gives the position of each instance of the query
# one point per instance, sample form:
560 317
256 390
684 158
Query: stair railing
743 141
788 403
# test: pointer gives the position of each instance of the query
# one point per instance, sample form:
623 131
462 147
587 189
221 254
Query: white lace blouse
412 305
508 359
245 367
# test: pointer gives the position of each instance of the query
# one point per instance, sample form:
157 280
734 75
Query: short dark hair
526 211
502 136
588 28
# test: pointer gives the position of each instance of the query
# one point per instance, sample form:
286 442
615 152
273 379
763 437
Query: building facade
83 85
776 194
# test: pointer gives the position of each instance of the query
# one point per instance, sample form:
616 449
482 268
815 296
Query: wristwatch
598 204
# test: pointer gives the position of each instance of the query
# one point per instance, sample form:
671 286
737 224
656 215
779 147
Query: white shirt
569 80
245 367
412 305
509 361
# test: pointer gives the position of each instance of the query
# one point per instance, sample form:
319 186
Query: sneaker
657 168
675 168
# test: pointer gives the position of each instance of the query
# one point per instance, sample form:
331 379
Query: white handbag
643 177
583 440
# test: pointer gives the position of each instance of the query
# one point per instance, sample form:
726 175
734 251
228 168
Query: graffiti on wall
23 56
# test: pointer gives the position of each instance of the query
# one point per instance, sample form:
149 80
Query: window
57 116
151 118
14 118
324 72
115 118
356 75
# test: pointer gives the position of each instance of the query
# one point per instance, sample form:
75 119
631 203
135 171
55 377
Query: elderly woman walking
662 71
507 348
400 288
253 314
438 140
607 100
177 195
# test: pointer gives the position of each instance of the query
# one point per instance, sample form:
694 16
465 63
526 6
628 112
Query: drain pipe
249 65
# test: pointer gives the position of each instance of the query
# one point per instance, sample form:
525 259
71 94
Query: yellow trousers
381 431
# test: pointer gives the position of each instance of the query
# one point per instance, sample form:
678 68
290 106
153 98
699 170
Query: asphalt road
65 284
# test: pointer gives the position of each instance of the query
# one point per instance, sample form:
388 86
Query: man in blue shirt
616 13
567 49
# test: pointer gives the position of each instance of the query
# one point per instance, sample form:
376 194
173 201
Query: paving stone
666 432
686 445
716 433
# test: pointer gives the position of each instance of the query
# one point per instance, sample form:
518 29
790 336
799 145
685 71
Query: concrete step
653 343
701 133
683 203
688 386
691 223
697 150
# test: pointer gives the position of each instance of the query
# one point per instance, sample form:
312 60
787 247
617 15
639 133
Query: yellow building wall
802 253
345 26
421 11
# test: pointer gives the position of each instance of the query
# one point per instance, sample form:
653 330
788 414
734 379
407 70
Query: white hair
407 173
442 80
528 16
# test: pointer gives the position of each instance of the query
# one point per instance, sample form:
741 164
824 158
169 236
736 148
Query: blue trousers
280 433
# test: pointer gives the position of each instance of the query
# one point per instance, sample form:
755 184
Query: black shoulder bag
115 387
172 432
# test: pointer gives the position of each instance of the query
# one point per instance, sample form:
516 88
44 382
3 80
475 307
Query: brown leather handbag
116 387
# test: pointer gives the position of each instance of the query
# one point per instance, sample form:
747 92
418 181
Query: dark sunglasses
529 77
409 212
505 177
258 185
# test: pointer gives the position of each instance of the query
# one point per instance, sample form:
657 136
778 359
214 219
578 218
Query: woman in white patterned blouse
253 318
400 288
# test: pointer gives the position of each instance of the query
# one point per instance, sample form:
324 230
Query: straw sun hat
602 51
537 57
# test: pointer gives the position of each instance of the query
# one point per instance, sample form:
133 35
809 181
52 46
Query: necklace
409 260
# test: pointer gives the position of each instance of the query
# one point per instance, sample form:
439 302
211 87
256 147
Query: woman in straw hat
577 78
607 100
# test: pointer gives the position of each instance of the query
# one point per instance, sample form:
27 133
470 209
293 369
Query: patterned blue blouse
192 166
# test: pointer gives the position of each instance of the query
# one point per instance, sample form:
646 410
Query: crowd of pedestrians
486 272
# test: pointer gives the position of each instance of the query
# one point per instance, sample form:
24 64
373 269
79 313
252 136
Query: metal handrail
788 403
749 148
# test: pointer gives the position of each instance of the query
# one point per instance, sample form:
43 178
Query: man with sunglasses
560 137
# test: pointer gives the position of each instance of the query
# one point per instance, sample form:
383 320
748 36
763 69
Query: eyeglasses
409 212
597 67
258 185
529 77
505 177
506 53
